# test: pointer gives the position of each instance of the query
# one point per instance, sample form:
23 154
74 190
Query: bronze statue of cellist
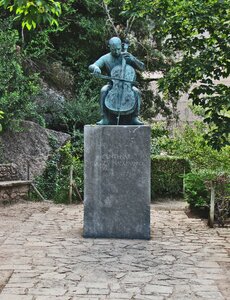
120 99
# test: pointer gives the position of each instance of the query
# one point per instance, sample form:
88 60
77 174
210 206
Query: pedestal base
117 182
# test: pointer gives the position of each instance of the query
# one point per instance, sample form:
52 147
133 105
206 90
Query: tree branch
129 24
151 79
110 19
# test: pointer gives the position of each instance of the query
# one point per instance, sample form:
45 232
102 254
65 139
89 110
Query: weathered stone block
8 172
117 182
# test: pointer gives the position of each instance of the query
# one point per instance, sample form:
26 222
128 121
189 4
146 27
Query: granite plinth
117 182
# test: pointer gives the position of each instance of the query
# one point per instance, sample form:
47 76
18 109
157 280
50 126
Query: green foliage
207 166
16 88
215 101
38 46
197 33
198 192
190 143
159 131
68 158
81 37
35 12
54 183
83 109
167 175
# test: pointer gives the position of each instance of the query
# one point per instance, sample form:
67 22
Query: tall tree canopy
197 31
187 40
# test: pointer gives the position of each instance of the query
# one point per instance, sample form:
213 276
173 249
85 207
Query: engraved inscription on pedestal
117 182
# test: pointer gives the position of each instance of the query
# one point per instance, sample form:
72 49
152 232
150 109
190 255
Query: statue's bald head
115 46
114 41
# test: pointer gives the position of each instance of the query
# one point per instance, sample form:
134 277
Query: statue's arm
134 62
139 64
97 66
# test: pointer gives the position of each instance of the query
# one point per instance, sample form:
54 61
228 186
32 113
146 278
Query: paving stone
91 297
15 297
207 264
144 297
73 277
43 256
53 276
157 289
120 296
210 295
80 291
93 291
55 291
204 288
14 290
52 298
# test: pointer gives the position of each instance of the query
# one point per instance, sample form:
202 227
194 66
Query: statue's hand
97 70
128 57
133 61
94 69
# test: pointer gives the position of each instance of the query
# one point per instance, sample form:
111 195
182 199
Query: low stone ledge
15 183
14 191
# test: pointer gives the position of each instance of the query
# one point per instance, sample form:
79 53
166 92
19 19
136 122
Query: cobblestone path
44 257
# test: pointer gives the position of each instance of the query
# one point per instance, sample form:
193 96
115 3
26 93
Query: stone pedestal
117 182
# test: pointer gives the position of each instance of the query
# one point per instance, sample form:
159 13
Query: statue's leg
135 120
104 118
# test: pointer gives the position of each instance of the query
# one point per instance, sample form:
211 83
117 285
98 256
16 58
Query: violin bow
113 78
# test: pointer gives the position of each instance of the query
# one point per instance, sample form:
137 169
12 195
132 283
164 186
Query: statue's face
115 49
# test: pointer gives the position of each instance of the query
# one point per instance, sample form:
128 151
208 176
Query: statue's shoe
135 121
103 122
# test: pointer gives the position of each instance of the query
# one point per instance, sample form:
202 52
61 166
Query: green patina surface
120 99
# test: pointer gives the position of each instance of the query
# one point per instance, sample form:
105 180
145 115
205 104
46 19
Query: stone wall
32 144
12 189
14 193
8 172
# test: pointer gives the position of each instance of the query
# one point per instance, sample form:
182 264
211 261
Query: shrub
54 183
195 190
198 192
167 175
190 143
83 109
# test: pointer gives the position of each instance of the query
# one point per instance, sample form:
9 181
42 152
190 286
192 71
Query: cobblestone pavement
44 257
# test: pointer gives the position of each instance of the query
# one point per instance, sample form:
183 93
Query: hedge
167 175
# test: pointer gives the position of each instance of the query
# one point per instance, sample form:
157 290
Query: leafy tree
197 32
16 88
34 12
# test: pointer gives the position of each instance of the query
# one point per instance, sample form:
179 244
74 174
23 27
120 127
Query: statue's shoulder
106 57
102 60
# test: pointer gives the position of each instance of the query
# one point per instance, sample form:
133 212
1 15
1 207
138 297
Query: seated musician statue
120 99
